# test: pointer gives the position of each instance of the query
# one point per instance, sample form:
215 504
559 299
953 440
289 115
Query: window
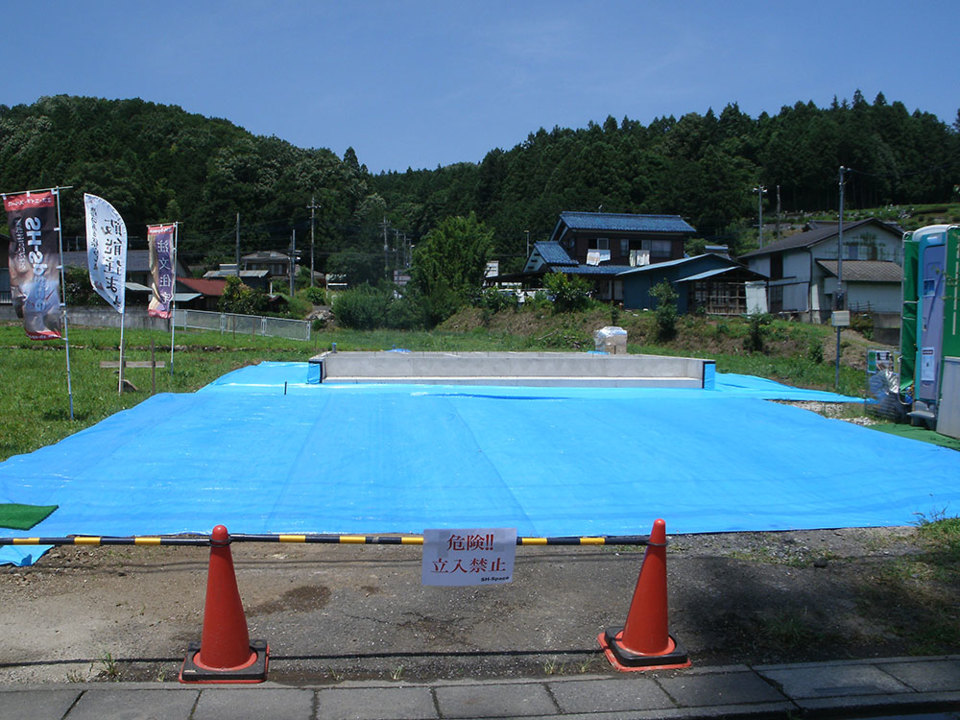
658 248
776 266
599 244
776 298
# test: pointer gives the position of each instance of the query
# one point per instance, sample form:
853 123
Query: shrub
368 308
406 313
316 295
615 314
756 332
863 324
362 308
539 301
496 300
570 294
296 307
666 310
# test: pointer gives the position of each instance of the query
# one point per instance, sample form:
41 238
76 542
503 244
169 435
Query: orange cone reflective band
225 653
644 643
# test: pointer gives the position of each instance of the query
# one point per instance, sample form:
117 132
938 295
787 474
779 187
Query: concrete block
376 703
926 675
493 700
36 704
609 695
173 703
818 681
738 688
255 703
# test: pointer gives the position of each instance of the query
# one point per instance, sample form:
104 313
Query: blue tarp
259 450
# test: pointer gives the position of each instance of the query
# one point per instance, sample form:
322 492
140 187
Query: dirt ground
332 612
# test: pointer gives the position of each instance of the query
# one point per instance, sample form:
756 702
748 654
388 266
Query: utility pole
839 299
313 207
238 245
528 242
397 251
778 212
293 259
386 249
760 190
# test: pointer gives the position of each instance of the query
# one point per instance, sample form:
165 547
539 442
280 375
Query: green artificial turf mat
23 517
918 433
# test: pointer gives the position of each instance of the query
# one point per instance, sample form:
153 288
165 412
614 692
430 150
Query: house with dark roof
618 237
712 282
804 268
277 264
599 246
256 279
625 256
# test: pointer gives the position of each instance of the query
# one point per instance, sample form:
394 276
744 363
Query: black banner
34 262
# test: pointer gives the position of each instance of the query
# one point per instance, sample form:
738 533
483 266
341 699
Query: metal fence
243 324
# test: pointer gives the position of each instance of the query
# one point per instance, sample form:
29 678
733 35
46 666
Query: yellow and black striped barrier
334 539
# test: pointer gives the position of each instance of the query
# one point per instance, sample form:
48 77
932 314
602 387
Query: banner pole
123 314
63 303
173 299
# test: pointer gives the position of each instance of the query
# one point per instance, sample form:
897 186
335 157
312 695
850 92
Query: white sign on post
469 557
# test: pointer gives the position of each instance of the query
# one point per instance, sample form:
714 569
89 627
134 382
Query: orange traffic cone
644 643
225 653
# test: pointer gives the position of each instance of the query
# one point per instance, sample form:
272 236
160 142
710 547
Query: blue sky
418 83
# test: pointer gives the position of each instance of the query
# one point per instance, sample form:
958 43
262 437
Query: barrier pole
319 538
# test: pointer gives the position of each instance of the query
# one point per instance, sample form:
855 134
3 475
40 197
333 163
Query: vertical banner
35 262
106 250
163 278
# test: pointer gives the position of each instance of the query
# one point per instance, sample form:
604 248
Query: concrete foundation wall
507 368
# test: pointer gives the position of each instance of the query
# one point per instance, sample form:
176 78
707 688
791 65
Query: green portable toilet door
930 340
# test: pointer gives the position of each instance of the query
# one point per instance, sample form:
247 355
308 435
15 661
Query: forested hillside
703 167
158 163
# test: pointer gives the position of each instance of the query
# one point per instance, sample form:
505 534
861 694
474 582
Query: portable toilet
929 334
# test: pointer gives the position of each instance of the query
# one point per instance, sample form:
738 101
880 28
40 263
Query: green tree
241 299
448 265
79 290
357 267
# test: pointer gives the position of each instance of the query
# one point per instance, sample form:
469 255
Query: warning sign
469 557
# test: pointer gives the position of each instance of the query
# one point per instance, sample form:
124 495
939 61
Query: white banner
106 250
480 556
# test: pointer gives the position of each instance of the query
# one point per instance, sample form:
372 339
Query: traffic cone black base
627 661
225 653
643 642
193 670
